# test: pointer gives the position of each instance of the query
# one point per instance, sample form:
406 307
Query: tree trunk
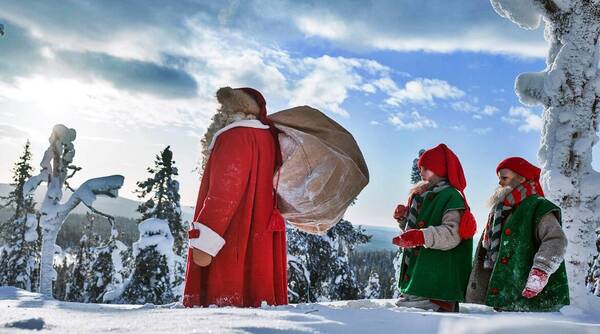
569 91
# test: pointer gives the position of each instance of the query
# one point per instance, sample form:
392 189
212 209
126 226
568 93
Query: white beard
419 188
220 120
499 195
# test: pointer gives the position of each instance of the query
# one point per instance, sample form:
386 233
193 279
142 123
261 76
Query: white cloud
324 26
482 131
411 121
406 26
489 110
464 106
461 127
421 90
477 112
329 79
527 118
48 99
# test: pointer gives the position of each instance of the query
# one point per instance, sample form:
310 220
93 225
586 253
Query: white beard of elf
499 195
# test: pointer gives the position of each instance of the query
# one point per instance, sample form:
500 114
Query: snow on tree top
154 232
152 226
63 134
522 12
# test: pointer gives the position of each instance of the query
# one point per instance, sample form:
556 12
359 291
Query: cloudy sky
135 76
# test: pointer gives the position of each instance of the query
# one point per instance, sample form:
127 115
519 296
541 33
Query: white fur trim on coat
209 241
248 123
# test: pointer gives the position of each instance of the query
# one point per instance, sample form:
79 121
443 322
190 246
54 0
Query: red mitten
410 239
535 283
400 211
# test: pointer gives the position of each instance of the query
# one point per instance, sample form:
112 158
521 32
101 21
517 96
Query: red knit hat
523 168
444 163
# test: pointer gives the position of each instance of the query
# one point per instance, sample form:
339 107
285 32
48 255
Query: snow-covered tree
57 169
163 202
593 277
63 265
19 257
415 173
154 278
318 265
569 91
106 279
77 280
373 288
397 267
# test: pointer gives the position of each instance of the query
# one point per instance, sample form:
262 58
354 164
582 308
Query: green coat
515 258
432 273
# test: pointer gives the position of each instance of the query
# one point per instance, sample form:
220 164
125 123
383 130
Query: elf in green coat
519 262
437 230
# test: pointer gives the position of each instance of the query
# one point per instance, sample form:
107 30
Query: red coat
236 201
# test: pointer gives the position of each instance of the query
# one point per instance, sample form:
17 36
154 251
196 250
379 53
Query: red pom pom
194 234
467 226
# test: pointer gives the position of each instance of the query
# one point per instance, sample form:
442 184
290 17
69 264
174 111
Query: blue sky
135 76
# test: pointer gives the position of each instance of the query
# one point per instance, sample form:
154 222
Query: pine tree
20 255
63 270
373 289
164 197
366 263
415 174
105 281
77 281
397 266
319 266
154 278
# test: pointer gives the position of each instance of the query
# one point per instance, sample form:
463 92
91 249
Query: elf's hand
400 212
535 283
410 239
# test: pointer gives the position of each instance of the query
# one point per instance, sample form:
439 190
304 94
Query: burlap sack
323 169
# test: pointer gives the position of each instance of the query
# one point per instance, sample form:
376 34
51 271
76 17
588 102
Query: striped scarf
493 229
415 203
417 200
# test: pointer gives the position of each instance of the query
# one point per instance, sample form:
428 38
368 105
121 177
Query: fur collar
252 123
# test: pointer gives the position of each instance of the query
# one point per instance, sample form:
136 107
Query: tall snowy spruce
57 169
373 288
155 276
19 256
107 271
319 267
78 278
415 173
163 202
569 91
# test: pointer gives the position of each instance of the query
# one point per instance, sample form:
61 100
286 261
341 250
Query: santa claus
519 260
237 250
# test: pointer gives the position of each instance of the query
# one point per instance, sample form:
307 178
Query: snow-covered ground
20 310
